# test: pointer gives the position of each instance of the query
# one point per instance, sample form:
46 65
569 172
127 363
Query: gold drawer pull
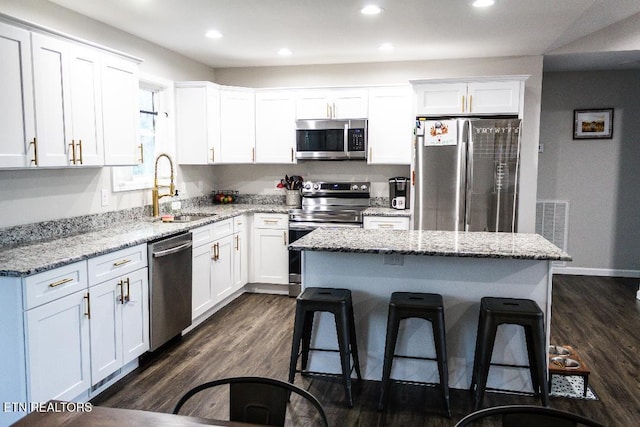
385 225
88 312
121 262
60 282
270 221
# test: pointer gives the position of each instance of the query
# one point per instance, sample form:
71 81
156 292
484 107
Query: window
153 134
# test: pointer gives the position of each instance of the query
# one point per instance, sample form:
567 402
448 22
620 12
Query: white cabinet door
52 86
241 253
275 127
16 109
313 104
237 126
390 132
440 98
198 123
386 222
494 97
135 316
202 293
106 329
58 341
350 104
86 107
120 111
222 269
271 256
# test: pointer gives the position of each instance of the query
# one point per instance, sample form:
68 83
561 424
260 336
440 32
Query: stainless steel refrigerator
466 174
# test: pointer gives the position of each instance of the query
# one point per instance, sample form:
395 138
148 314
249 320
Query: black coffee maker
399 192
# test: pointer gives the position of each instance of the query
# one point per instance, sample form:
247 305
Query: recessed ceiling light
213 34
285 52
483 3
386 47
371 9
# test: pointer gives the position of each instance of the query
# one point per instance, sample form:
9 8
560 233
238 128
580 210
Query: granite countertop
27 259
435 243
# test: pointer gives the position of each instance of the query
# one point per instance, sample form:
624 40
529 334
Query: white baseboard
606 272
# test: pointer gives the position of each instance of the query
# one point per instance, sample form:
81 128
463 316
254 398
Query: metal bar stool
514 311
338 302
430 307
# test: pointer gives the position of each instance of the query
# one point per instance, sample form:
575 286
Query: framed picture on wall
593 124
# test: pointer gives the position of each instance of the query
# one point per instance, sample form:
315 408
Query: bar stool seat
514 311
430 307
338 302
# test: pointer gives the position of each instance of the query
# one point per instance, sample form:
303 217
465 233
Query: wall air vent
552 223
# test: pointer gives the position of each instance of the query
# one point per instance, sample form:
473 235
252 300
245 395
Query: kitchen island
461 266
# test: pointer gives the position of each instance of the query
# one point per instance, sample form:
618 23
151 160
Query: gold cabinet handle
463 103
333 111
121 297
328 111
35 151
72 149
291 154
60 282
284 234
370 153
80 151
470 103
253 154
141 159
270 221
385 225
88 312
237 243
213 156
127 298
213 249
121 262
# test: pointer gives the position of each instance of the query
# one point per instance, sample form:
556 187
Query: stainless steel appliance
466 174
331 139
169 288
324 204
399 192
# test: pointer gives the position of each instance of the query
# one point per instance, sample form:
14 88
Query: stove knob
307 186
316 187
363 187
354 187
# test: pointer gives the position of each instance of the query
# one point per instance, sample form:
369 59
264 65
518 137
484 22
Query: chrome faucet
155 192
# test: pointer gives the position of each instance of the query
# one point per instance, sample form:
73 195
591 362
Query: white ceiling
334 31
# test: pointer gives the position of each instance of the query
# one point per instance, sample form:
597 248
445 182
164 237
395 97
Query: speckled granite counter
462 267
26 259
437 243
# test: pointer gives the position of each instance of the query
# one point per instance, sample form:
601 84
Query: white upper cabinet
331 104
275 126
120 111
67 103
198 123
17 144
237 125
482 97
391 125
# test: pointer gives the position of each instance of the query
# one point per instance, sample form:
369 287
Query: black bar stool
405 305
338 302
514 311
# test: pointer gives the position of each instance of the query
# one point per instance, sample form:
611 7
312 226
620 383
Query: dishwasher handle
172 250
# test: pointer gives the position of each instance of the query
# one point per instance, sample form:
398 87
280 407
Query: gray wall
600 178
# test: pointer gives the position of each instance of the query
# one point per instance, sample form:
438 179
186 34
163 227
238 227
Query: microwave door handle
346 140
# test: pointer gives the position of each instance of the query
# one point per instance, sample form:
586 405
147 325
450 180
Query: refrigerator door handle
461 209
468 171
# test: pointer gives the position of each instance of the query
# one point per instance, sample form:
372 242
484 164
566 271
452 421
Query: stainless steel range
324 204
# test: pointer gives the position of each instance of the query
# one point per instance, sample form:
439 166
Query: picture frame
593 123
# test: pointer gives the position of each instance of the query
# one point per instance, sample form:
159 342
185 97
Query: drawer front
267 220
222 228
50 285
202 235
388 223
117 263
239 223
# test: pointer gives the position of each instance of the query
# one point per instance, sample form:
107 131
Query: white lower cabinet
386 222
270 248
119 323
58 357
222 268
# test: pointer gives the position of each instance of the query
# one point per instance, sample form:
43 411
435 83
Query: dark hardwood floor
599 317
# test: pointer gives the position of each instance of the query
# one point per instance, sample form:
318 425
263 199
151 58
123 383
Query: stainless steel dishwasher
170 277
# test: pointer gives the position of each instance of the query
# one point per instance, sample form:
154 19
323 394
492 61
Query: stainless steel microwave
331 139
